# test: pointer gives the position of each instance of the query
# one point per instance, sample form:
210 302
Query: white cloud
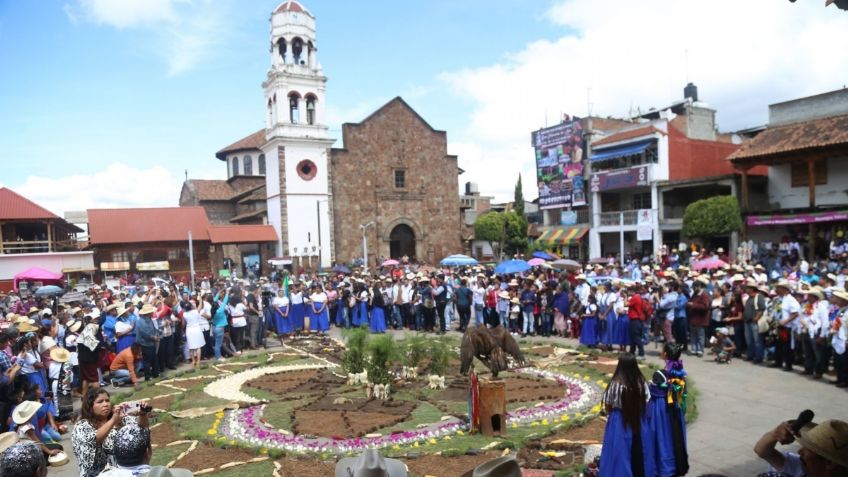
118 185
185 32
742 56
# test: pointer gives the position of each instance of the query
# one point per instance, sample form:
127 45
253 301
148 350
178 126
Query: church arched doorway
402 242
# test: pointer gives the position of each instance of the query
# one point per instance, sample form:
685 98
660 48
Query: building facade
395 174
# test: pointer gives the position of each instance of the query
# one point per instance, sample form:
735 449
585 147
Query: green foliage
712 217
416 350
382 351
440 354
356 340
518 205
515 227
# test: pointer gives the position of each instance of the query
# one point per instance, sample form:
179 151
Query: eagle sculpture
489 345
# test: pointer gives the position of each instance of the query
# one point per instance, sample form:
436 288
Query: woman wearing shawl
88 353
378 317
319 315
666 410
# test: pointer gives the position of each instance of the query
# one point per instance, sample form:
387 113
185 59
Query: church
392 187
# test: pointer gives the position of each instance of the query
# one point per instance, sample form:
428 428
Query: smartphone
132 408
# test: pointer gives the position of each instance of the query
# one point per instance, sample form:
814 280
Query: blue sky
107 102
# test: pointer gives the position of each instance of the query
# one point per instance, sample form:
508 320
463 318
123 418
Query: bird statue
491 346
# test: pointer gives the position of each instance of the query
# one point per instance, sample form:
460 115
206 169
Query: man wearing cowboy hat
751 314
823 451
839 330
790 308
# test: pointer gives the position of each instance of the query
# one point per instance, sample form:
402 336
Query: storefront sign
621 179
790 219
559 164
569 217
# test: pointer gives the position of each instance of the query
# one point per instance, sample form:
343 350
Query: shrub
416 350
356 340
440 354
382 352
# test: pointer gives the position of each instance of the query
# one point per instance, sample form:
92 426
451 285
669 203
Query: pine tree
518 205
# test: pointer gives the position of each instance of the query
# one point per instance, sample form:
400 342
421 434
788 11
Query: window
173 254
262 164
235 166
799 173
294 113
248 165
306 169
400 179
642 200
310 110
120 257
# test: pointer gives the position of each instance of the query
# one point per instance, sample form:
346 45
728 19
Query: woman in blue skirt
362 307
298 310
628 438
667 410
282 324
124 329
606 316
378 316
319 315
342 315
589 323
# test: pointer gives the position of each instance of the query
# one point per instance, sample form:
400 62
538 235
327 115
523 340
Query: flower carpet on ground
295 406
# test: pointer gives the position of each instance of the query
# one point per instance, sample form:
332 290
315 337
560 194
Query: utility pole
364 228
191 261
318 214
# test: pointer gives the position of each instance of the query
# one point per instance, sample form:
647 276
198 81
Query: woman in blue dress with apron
362 306
666 411
378 316
628 449
589 324
342 320
298 310
282 316
124 329
319 315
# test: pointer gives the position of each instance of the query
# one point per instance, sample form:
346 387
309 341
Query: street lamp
318 215
364 228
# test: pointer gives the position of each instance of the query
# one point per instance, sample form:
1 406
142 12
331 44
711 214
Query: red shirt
634 307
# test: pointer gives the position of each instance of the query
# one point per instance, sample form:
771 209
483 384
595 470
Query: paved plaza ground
737 403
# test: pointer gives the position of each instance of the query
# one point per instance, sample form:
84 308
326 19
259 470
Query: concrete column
595 222
655 204
289 54
311 58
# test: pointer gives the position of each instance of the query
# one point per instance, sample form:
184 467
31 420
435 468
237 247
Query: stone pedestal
492 408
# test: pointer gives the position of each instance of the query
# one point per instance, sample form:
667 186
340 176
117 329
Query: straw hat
370 464
46 343
719 274
765 289
32 310
758 266
24 411
840 293
513 283
581 277
703 280
26 328
60 355
121 311
94 313
410 276
737 278
111 307
11 317
505 466
816 292
147 309
8 439
74 326
785 284
75 310
514 301
504 295
827 439
750 283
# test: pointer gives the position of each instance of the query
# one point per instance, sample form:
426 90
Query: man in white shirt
790 308
582 290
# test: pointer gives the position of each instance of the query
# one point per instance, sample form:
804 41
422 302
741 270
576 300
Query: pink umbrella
535 262
390 263
708 263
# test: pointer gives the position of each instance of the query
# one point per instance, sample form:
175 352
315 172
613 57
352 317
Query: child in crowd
722 346
514 313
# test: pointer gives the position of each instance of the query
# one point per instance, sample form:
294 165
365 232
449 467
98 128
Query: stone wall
393 138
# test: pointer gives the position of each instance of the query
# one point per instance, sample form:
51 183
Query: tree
515 230
518 201
490 228
712 217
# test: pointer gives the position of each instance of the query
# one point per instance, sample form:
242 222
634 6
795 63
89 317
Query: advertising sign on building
644 225
621 179
569 217
559 164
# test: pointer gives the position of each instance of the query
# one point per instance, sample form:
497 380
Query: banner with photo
559 165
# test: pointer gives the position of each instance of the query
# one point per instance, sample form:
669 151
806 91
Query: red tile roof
242 233
14 206
291 6
806 136
253 141
629 134
211 189
160 224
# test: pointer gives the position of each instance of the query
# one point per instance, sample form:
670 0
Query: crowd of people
55 351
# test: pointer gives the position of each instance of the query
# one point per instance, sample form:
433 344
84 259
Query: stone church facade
393 174
394 171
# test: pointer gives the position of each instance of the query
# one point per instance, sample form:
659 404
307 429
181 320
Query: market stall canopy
36 274
563 235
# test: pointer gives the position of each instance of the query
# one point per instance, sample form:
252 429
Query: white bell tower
297 149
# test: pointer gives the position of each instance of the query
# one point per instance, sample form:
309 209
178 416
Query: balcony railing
615 218
39 246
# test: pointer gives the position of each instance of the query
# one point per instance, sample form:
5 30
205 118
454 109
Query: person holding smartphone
93 434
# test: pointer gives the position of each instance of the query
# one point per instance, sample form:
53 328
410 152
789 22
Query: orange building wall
695 158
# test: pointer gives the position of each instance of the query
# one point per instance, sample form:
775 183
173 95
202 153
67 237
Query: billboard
559 165
620 179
